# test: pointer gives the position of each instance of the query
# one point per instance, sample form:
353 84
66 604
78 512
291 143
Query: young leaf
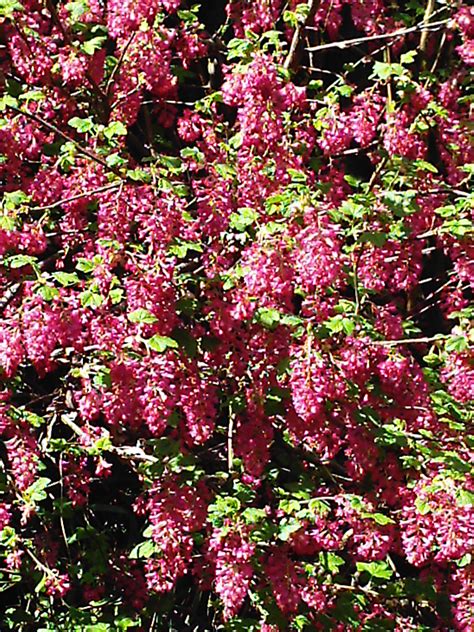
161 343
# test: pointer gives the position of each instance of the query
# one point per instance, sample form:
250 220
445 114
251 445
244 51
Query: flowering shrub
236 363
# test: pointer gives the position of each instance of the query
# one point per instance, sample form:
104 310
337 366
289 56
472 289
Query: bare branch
52 128
409 341
106 187
289 61
434 26
426 18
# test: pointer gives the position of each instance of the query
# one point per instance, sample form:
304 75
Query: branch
9 295
426 18
107 187
130 453
409 341
110 82
289 61
230 447
56 130
434 26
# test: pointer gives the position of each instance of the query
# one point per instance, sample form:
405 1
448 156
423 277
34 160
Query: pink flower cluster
236 264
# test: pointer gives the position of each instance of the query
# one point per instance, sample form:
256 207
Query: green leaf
422 506
456 344
408 57
227 172
379 518
91 299
19 261
124 623
353 181
375 237
223 507
143 550
465 560
244 218
383 70
7 223
33 419
182 248
331 561
115 160
447 211
93 44
317 507
380 570
194 153
41 584
7 101
289 506
47 292
465 497
76 9
139 175
8 536
173 163
161 343
116 295
32 95
13 199
300 622
85 265
102 378
297 176
268 317
187 16
458 227
340 323
142 316
8 7
239 48
36 491
251 515
81 125
116 128
425 166
287 528
401 203
66 278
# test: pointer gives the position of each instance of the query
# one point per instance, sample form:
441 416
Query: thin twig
230 448
107 187
56 130
130 453
434 26
118 65
438 56
409 341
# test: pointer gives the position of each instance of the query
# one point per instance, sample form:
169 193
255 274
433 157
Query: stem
426 18
52 128
230 448
109 85
434 26
107 187
291 57
410 341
